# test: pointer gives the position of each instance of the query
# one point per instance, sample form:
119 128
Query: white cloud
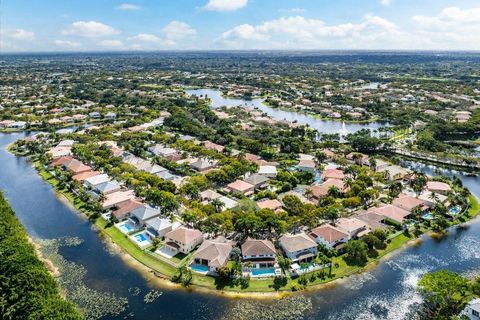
145 41
145 37
225 5
299 32
129 6
111 43
66 44
386 2
452 28
178 30
293 10
21 34
90 29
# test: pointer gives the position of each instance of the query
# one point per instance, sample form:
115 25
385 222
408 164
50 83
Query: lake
385 292
322 126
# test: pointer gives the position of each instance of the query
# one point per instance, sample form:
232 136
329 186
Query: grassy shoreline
256 286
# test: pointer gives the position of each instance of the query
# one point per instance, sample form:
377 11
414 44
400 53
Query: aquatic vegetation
95 304
290 308
135 291
151 296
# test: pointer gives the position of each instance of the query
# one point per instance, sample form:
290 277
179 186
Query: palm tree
217 204
433 196
308 193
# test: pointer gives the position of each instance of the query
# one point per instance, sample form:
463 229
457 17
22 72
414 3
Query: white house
299 247
472 310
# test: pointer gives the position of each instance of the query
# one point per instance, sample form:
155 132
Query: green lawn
474 206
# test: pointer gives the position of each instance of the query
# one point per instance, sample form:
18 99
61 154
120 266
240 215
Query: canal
386 292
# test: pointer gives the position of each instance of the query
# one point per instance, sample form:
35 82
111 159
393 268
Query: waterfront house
259 253
144 213
438 187
182 240
213 253
58 152
408 202
299 247
392 212
158 227
430 198
106 187
59 162
81 177
471 310
113 199
241 187
353 227
75 166
93 181
124 209
372 220
329 235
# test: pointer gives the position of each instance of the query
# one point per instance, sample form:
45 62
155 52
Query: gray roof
297 242
108 186
158 223
256 179
166 175
146 212
253 247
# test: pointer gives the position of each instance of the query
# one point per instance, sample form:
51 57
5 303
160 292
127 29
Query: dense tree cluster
27 290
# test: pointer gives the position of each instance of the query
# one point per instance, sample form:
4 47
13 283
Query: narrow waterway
322 126
386 292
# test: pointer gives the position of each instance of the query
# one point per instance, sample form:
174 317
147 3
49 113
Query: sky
146 25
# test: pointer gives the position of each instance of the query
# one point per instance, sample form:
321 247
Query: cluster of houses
142 222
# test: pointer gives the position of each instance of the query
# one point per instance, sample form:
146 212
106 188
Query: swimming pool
141 237
127 227
454 211
199 268
267 272
428 216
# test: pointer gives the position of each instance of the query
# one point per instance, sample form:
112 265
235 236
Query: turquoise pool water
199 268
427 216
454 211
126 227
141 237
268 272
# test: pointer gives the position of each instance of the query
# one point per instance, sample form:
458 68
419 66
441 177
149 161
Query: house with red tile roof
392 212
407 202
329 235
182 240
243 187
439 187
333 174
85 175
